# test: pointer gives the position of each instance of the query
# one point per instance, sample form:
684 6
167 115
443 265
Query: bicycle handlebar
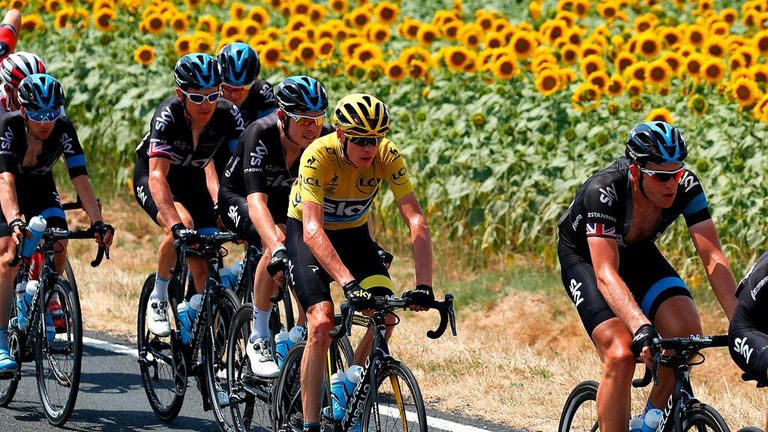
52 235
389 303
685 346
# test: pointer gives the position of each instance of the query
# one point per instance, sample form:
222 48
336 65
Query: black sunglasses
365 141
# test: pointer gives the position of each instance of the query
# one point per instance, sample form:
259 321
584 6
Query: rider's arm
161 191
75 159
85 191
708 247
262 220
605 260
321 247
8 199
420 237
212 181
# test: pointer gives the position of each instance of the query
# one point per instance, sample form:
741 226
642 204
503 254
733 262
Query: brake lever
99 256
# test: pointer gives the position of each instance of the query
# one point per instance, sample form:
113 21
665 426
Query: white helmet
20 65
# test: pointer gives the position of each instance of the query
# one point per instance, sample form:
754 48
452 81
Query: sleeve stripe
232 144
76 161
696 204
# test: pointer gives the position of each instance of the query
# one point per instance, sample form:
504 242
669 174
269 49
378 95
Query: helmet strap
642 189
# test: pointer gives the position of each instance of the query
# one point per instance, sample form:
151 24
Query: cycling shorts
193 195
37 195
233 211
648 275
748 345
357 251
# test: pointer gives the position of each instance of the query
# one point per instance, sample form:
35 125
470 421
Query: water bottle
282 341
636 424
187 311
652 420
22 309
295 336
36 227
354 373
338 395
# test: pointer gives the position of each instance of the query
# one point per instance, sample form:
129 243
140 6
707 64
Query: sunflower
208 24
248 28
62 18
542 61
230 29
623 61
386 13
494 40
305 54
427 34
31 23
698 105
179 23
409 28
607 10
695 35
375 70
192 4
759 73
715 47
395 71
634 87
694 65
588 49
713 70
761 109
658 72
259 14
144 55
670 35
615 86
505 67
299 7
349 46
598 79
673 60
103 4
470 35
354 69
586 97
102 19
359 17
648 45
720 29
418 69
202 42
569 54
415 53
592 64
236 11
338 6
746 92
660 114
368 52
645 22
53 6
183 45
456 57
451 30
523 44
270 54
729 15
155 23
548 81
568 17
378 33
297 22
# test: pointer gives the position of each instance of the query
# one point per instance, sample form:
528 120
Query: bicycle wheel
15 343
396 403
701 418
250 397
58 352
214 355
287 412
163 370
71 276
580 410
750 429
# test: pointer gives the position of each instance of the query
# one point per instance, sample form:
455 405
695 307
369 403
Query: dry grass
513 363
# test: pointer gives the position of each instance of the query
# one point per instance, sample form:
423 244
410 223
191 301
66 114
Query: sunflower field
502 107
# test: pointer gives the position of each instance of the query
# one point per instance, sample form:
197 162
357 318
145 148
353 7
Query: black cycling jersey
748 332
603 207
258 165
170 135
62 141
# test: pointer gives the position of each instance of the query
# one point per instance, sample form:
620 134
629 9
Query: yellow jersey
344 191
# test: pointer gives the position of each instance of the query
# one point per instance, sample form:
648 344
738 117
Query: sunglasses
365 141
43 115
236 88
303 120
664 176
198 99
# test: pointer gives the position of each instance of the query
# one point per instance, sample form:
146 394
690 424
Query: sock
311 427
4 338
260 323
160 292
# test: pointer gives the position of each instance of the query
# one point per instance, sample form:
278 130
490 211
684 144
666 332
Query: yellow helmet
361 115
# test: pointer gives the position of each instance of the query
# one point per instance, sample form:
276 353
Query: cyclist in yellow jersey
327 236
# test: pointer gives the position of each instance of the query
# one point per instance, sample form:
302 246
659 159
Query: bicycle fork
678 401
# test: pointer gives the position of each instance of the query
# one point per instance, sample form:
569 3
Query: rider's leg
676 317
7 274
366 342
166 254
320 323
264 288
613 342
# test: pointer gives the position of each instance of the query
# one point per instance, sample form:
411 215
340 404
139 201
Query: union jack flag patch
600 230
159 148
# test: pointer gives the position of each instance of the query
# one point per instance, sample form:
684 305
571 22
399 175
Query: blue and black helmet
40 92
197 71
655 142
239 64
301 94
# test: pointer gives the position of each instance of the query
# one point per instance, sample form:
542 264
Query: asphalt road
112 398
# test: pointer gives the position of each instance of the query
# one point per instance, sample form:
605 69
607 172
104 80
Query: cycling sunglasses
198 99
303 120
365 141
664 176
43 115
235 88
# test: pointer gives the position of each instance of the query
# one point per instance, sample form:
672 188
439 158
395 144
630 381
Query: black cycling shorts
748 343
357 251
233 210
37 195
648 275
188 188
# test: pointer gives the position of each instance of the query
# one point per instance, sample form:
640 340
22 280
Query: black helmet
301 94
655 142
239 64
40 92
197 71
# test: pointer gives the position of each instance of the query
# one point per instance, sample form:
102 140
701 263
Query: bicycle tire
51 355
401 412
214 354
71 276
15 342
165 402
252 405
572 418
702 417
286 399
750 429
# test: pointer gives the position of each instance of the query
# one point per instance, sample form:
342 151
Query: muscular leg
676 317
320 323
7 274
613 342
60 258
